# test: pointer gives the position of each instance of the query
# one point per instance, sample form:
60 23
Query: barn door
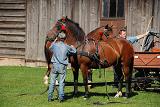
112 13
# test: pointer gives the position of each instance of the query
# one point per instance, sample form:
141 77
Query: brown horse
75 36
120 49
92 53
113 51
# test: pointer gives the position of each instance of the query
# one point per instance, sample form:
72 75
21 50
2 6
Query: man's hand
72 46
147 33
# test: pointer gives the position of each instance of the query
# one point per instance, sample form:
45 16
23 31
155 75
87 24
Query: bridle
58 28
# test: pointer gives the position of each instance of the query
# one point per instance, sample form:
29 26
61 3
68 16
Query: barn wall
156 21
43 14
138 15
24 25
12 28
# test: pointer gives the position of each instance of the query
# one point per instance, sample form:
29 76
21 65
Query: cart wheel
142 84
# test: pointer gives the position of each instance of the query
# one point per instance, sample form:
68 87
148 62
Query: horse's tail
131 63
48 56
47 53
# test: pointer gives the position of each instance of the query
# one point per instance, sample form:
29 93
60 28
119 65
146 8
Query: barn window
112 8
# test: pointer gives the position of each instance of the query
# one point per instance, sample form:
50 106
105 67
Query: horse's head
99 33
57 28
73 32
108 30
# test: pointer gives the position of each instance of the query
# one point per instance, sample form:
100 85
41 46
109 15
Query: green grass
16 81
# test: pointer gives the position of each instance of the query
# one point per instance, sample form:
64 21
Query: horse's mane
76 29
95 30
102 27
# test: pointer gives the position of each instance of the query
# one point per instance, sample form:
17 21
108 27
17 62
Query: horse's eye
58 27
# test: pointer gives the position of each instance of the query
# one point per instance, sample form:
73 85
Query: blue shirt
132 39
60 52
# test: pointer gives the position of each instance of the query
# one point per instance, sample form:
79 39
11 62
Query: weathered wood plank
12 25
52 13
16 52
12 45
93 14
76 12
42 28
12 13
12 38
156 22
68 9
12 6
12 19
11 57
12 1
32 29
13 31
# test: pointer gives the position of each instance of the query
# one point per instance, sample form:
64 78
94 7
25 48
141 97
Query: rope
104 72
106 84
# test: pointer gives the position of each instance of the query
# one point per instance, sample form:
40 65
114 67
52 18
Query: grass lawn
21 86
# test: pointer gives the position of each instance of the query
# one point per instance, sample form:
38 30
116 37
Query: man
59 60
131 39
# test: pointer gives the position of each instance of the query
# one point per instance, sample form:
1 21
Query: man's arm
142 35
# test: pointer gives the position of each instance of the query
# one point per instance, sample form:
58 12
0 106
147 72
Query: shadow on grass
91 94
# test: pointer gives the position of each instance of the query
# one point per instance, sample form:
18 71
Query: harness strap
93 57
82 53
114 51
105 62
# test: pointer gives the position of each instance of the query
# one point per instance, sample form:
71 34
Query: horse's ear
125 27
106 27
63 19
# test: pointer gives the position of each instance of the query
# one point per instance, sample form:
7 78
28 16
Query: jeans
57 70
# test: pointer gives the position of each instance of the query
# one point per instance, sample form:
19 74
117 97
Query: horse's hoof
45 77
75 94
57 83
89 86
119 94
45 80
46 83
85 97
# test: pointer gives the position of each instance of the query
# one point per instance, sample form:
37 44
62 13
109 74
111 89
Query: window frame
110 18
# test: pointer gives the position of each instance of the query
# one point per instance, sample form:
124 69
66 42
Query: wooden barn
24 23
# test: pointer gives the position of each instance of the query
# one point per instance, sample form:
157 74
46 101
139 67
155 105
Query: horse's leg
47 74
48 56
75 74
89 77
118 77
84 70
127 75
